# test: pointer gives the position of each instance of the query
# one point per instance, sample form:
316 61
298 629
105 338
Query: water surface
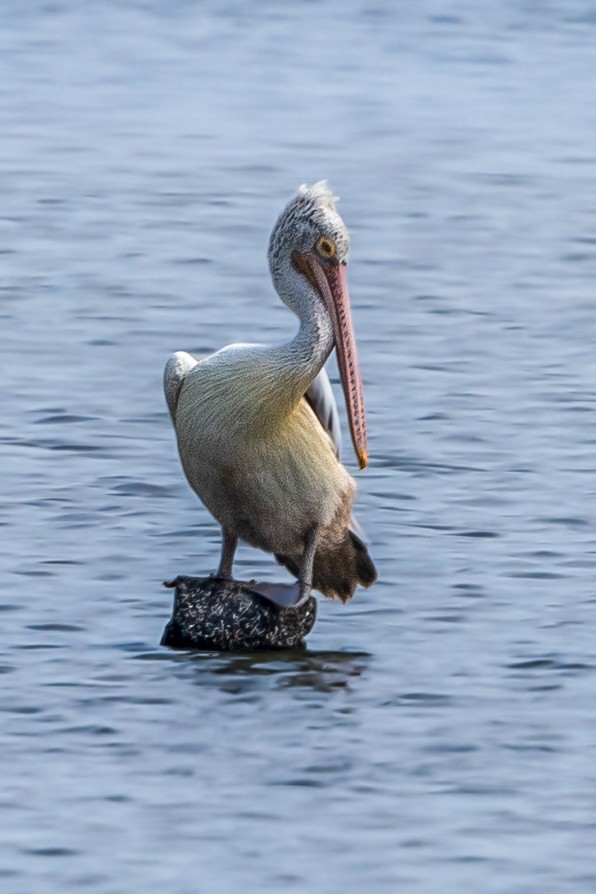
438 734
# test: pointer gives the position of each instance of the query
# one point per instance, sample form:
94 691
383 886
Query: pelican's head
308 252
309 222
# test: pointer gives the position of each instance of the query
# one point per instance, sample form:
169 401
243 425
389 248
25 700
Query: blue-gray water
440 732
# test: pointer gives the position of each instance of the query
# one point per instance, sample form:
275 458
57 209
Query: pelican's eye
326 247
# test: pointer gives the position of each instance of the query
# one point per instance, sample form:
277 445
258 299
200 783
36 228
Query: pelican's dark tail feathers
339 570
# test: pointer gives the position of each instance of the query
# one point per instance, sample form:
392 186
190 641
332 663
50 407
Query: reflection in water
241 673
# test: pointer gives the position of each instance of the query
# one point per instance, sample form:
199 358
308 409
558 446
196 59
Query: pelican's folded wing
177 368
322 401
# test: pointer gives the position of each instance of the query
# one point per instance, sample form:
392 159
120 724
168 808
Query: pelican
258 427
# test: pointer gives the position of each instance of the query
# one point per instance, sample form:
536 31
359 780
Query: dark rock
217 615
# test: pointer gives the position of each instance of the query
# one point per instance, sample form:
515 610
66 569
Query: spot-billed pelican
257 425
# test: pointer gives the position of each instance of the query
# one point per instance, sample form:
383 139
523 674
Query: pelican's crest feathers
319 193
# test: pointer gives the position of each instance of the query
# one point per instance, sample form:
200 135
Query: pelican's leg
228 548
285 595
307 564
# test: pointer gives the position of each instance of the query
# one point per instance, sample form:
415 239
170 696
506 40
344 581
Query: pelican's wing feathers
177 368
322 401
321 398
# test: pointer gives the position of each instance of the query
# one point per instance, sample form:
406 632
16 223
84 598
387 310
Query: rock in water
219 615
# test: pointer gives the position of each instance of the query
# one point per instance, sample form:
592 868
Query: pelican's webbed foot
286 595
281 595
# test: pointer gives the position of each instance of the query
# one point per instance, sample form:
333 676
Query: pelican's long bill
331 282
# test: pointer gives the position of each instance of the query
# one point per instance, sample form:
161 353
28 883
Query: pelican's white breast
263 467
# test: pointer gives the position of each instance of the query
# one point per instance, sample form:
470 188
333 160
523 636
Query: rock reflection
321 671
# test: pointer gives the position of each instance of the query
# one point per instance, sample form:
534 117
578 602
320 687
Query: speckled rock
213 614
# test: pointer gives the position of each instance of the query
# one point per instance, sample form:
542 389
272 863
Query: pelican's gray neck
302 358
313 342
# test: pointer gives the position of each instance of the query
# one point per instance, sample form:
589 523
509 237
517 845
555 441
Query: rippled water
438 734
